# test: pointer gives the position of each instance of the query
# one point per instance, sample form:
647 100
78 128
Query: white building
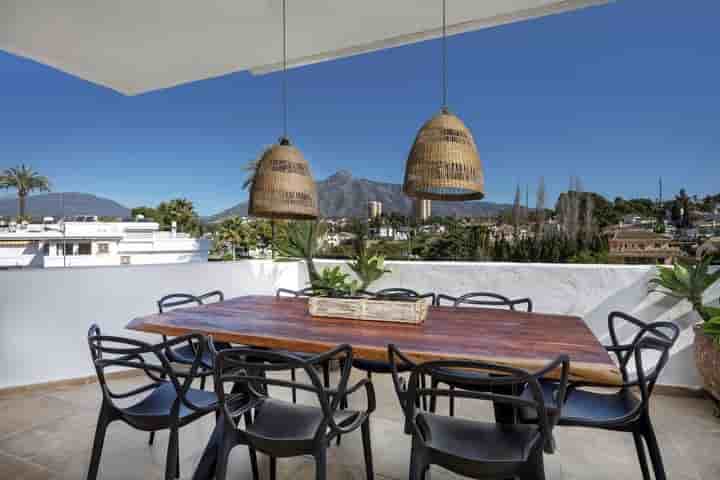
92 243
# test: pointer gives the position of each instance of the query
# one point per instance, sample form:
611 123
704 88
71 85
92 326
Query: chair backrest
486 299
638 331
401 293
453 372
305 292
175 300
108 352
254 370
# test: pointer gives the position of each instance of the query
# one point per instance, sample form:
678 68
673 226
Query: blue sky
617 95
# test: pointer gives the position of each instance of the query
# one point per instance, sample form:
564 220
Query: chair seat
276 420
160 401
186 356
377 366
478 441
584 407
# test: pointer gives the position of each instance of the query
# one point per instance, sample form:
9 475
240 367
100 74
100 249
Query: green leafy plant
687 281
712 326
300 240
368 269
335 282
366 266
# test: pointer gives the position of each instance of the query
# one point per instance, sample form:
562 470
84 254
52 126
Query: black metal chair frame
380 367
495 300
424 448
249 367
649 336
305 292
489 299
181 409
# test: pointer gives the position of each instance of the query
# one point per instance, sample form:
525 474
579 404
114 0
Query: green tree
236 233
148 212
181 211
25 180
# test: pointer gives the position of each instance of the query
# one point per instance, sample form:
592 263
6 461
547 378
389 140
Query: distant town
582 227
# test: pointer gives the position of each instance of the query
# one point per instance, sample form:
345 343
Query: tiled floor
48 435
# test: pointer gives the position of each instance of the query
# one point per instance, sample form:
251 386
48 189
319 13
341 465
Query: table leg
206 468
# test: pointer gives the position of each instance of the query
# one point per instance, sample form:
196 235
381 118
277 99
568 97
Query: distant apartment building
374 209
642 247
422 209
85 242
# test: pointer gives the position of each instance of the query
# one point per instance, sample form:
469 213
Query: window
125 260
46 249
84 248
69 249
103 248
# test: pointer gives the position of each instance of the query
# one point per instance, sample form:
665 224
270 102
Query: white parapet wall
45 313
588 291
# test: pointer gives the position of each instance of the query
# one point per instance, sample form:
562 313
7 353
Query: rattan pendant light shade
283 187
443 163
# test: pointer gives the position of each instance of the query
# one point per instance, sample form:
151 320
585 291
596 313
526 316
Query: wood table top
520 339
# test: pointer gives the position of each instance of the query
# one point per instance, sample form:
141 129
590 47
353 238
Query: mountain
64 204
342 195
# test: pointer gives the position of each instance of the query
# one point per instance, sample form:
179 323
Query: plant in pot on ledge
300 241
688 281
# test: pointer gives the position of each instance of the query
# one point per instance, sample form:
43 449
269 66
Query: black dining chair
480 299
306 292
283 429
622 409
484 299
184 353
473 448
165 402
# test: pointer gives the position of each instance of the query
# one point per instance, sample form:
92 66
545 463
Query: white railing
44 314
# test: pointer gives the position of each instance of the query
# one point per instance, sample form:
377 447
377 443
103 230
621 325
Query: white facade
85 244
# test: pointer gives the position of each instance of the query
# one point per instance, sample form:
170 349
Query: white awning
135 46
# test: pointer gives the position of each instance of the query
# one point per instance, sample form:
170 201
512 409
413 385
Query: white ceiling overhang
136 46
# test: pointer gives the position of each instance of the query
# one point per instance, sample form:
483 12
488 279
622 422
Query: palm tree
25 180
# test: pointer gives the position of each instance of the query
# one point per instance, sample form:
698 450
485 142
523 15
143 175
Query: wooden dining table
519 339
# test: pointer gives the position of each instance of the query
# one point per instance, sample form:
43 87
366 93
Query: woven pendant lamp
283 186
444 163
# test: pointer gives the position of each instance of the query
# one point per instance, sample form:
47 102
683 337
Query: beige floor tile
16 469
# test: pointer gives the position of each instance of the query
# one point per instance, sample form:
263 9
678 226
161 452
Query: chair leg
642 458
152 438
654 450
367 449
320 465
452 401
171 463
423 386
534 469
326 374
273 468
222 460
294 391
433 398
100 431
202 382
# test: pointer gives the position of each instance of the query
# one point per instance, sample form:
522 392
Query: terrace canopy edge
137 46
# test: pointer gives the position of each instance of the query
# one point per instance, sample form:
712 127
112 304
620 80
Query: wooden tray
413 311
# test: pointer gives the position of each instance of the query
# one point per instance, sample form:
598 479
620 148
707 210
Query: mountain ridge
66 204
342 195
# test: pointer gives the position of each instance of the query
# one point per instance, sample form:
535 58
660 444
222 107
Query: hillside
342 195
64 204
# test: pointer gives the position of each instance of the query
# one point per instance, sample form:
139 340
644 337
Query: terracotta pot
707 358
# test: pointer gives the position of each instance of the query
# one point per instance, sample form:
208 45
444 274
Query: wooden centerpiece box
405 310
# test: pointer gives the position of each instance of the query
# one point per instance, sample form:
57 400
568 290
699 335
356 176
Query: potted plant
688 281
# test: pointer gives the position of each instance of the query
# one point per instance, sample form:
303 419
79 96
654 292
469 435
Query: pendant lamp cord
284 74
444 56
